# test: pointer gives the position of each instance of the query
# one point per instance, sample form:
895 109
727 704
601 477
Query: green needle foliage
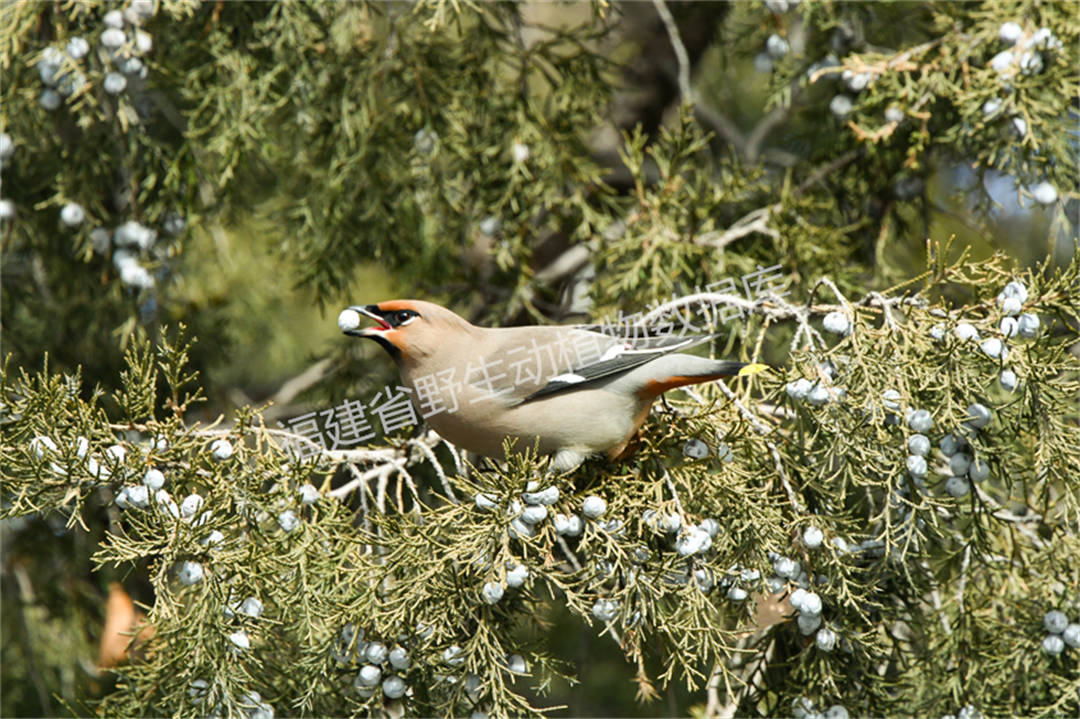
878 525
915 582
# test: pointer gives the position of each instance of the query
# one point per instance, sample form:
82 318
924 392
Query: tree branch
680 50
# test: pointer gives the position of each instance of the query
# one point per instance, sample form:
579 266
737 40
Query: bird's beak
371 312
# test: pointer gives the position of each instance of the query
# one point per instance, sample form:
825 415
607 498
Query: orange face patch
395 305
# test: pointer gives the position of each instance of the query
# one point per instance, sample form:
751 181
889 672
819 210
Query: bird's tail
701 371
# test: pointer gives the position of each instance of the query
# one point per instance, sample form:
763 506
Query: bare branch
679 48
293 387
755 221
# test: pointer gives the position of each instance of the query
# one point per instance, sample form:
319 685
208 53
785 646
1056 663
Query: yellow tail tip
752 369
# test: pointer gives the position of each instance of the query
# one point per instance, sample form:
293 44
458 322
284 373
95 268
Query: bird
569 391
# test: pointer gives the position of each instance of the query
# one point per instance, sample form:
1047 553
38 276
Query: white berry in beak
348 320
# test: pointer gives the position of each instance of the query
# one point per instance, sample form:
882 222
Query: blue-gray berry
918 444
516 576
251 607
799 389
920 420
811 604
957 486
841 106
1044 193
593 507
77 48
490 225
112 38
1002 62
115 83
965 331
776 46
1071 635
696 449
959 463
825 639
50 100
1053 644
1010 32
288 521
1008 380
978 415
1028 325
221 449
393 687
189 573
808 623
818 395
1055 621
308 494
991 347
369 676
534 514
399 658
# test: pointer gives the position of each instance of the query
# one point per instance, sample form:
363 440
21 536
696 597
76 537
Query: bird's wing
621 357
538 362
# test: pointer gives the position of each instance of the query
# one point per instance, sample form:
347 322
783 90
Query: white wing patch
614 351
568 378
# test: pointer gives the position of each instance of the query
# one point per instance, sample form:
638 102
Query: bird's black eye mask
388 319
400 318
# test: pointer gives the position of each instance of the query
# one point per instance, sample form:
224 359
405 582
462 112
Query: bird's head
408 329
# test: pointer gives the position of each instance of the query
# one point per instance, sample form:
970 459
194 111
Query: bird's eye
404 316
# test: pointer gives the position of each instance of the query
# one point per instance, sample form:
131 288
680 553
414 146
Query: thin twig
362 478
427 451
675 495
754 221
462 468
294 386
680 50
963 579
569 553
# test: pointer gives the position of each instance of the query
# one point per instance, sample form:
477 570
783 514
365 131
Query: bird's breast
589 420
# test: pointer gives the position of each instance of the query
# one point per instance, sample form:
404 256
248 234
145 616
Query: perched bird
574 392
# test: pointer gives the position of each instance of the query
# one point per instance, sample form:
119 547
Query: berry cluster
956 447
803 708
807 603
250 705
776 46
1028 53
1059 633
966 712
121 48
379 662
819 392
60 70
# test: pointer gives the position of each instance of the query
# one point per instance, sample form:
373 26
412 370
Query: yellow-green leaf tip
752 369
